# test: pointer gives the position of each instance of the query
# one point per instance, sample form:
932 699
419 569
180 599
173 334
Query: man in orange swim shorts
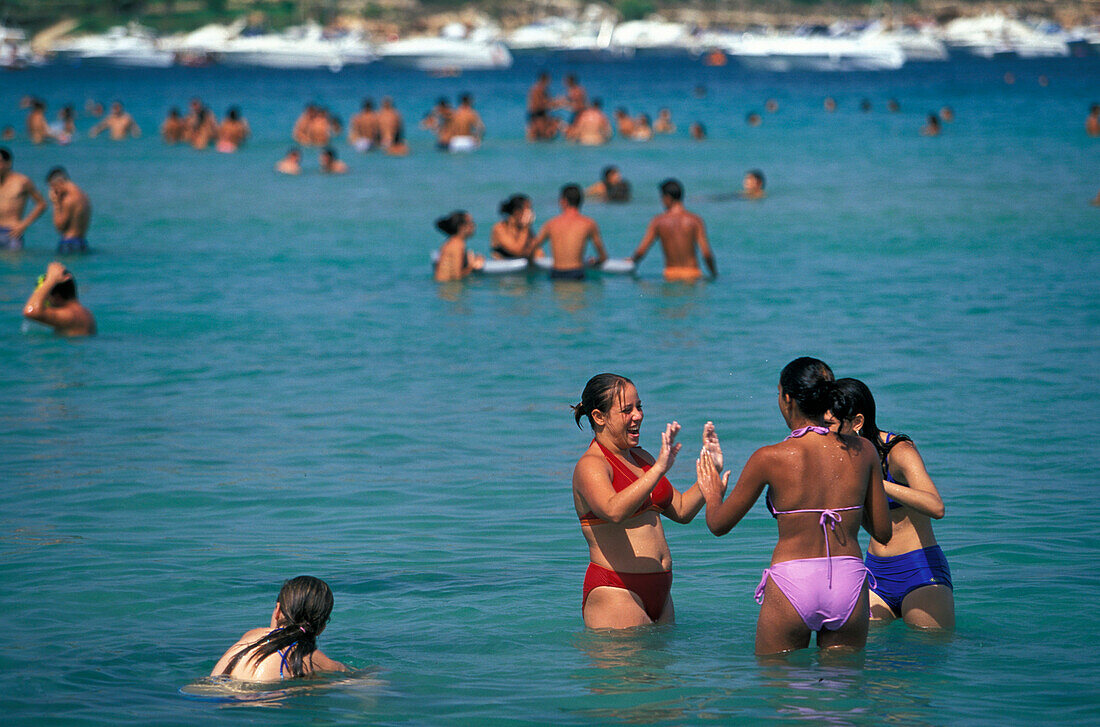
681 234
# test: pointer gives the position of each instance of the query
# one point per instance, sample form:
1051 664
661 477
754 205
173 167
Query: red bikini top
659 499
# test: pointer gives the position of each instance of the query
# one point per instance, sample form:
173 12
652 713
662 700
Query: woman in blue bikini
288 647
912 574
821 486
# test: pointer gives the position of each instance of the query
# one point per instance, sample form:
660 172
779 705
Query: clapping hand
669 448
712 445
713 487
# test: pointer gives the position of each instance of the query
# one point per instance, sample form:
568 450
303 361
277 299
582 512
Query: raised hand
714 489
712 445
669 448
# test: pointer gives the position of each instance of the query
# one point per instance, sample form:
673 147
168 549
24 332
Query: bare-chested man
538 98
391 128
54 303
15 190
568 233
624 125
575 95
591 127
232 132
752 186
464 129
118 122
681 234
72 212
363 134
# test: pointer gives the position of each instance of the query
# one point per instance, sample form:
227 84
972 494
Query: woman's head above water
808 383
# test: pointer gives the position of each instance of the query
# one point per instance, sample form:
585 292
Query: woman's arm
876 511
722 516
685 506
592 479
921 493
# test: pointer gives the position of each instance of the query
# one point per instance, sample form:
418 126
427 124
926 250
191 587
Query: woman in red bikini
620 492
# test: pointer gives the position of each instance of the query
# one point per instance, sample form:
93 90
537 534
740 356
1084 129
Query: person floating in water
1092 123
291 163
54 303
752 186
568 233
931 126
72 212
15 190
682 235
455 262
821 487
173 129
330 164
611 187
118 122
287 647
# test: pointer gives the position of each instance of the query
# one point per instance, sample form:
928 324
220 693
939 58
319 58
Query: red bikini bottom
652 588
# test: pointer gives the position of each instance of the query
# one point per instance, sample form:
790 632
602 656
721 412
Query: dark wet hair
452 222
174 112
65 290
5 153
517 201
465 98
810 383
306 604
757 175
607 171
234 112
368 104
573 195
330 152
56 171
597 103
851 397
672 188
599 395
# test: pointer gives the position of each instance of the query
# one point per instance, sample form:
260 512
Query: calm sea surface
279 388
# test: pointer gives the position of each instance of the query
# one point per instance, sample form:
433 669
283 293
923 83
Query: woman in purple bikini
822 485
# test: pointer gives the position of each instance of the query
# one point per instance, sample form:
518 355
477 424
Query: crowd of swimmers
835 472
680 232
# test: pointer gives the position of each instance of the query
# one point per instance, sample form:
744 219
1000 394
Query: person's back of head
368 104
64 291
809 382
234 113
465 99
607 172
5 154
672 189
450 224
572 195
597 103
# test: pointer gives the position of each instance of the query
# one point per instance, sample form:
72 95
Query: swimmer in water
118 122
830 104
173 128
752 186
38 128
682 235
465 128
15 191
232 132
624 125
931 126
568 234
1092 123
330 164
753 119
72 211
619 493
54 303
698 131
643 131
455 261
363 134
771 105
510 236
912 574
663 124
821 487
291 163
391 129
947 114
893 106
287 647
203 129
611 187
591 127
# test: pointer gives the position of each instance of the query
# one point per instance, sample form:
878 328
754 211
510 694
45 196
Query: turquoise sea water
279 388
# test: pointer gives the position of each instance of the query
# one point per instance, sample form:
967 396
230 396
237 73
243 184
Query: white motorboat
587 38
918 44
787 52
15 51
453 50
306 46
130 45
989 36
654 37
